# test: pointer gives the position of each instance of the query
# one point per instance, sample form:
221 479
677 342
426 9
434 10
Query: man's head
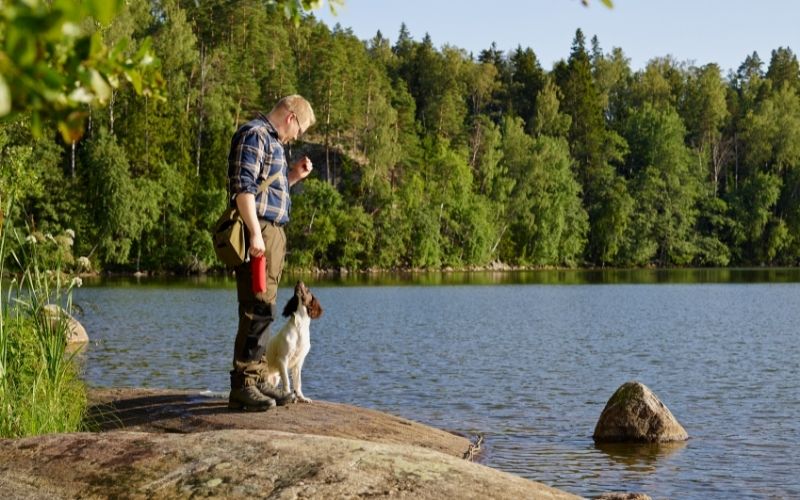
291 117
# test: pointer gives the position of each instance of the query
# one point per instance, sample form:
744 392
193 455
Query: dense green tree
704 111
666 183
549 118
784 69
527 79
121 207
545 220
500 101
752 207
772 132
313 228
426 156
594 147
660 84
613 76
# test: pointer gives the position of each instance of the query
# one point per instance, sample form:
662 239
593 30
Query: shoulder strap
264 185
269 180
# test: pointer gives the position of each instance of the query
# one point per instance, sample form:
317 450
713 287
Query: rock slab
175 411
178 444
635 414
244 464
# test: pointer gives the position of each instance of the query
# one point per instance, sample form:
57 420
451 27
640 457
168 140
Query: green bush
40 388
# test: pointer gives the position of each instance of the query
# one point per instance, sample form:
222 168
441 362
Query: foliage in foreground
40 388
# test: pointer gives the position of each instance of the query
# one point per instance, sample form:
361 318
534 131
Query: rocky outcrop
624 496
76 332
186 412
244 464
181 448
635 414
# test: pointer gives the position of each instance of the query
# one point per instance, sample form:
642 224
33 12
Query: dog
287 349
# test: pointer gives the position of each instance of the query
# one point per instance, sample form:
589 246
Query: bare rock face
183 412
244 464
176 444
76 331
635 414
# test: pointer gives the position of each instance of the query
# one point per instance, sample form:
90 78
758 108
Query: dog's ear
291 306
314 310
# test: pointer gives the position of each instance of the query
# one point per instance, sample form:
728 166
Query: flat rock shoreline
187 412
181 444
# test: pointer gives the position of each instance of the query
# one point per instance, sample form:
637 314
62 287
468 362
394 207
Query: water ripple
528 366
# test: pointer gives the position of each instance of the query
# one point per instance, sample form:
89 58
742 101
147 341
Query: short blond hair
298 105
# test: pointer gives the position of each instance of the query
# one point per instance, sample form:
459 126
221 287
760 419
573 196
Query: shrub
40 388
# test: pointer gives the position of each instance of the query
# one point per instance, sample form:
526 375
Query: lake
527 359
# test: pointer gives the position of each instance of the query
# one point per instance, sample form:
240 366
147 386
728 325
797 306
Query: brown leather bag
228 233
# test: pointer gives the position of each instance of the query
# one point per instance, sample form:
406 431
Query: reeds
40 388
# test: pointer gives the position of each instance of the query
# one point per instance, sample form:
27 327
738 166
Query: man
257 156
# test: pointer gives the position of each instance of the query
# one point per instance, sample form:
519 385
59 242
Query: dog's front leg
287 386
298 383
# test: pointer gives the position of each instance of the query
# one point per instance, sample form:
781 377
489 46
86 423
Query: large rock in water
186 446
76 333
635 414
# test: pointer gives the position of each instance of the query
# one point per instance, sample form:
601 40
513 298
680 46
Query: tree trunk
367 116
328 137
72 159
200 110
111 111
146 132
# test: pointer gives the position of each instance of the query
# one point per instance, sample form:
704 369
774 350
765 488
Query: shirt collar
270 127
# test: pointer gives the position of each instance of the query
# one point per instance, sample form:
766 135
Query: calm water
529 362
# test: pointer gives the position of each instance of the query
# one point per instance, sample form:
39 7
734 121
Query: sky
694 31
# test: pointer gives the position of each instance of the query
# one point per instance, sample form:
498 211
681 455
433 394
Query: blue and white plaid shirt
256 154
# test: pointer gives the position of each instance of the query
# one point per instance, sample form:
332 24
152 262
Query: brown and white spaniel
287 349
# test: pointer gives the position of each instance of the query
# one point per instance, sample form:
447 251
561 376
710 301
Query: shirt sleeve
246 163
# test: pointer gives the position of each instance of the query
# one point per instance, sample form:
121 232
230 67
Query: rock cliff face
635 414
178 445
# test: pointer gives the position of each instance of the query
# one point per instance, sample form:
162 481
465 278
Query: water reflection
530 367
640 456
432 278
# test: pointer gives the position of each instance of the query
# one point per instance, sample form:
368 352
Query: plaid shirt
256 153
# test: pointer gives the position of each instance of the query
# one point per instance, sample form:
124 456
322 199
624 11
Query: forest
425 157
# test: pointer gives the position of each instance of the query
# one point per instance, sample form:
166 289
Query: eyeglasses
299 127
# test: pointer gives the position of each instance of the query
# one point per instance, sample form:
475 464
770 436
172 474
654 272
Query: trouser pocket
255 344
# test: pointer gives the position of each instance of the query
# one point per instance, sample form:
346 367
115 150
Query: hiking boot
249 398
281 398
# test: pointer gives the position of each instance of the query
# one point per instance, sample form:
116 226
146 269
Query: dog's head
303 295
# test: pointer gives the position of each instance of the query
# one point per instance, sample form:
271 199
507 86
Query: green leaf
103 10
36 123
143 56
119 49
136 79
101 89
22 47
50 77
97 46
608 4
5 97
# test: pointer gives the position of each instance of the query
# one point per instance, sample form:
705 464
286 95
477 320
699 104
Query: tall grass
40 388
